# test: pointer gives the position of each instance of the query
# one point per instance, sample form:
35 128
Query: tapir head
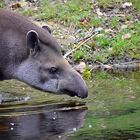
47 70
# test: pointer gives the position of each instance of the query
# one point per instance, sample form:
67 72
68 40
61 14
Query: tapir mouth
70 93
73 93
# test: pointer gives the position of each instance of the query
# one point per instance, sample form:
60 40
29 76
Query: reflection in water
113 112
46 125
8 97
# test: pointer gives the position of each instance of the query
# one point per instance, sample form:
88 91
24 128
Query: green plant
28 12
77 55
101 56
82 54
106 3
46 10
102 41
136 4
114 22
2 4
86 74
121 45
96 21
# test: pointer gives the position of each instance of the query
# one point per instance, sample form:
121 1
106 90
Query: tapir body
30 54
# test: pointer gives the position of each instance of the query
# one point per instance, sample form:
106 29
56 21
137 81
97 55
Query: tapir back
10 20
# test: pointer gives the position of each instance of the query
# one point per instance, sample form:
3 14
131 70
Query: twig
82 43
99 62
72 27
86 37
82 39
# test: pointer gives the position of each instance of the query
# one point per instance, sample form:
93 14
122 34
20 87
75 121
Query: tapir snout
74 85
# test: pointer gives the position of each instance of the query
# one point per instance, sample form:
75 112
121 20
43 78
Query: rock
80 67
98 29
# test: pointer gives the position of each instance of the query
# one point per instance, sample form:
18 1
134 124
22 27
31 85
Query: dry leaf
127 4
108 67
126 36
84 21
110 49
16 5
108 31
99 13
71 29
120 15
97 49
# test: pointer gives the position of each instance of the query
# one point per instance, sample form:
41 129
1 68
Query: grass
105 3
82 14
117 46
113 47
136 4
113 108
121 46
2 4
81 54
113 22
71 11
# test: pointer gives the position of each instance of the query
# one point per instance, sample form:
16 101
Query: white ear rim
32 31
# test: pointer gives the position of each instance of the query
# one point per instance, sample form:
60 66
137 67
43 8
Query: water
111 112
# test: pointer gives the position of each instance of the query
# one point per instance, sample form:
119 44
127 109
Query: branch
82 43
126 66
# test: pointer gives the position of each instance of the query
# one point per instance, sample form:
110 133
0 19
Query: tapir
30 54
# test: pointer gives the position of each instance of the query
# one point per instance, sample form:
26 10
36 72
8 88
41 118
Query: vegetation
113 102
2 4
115 23
118 38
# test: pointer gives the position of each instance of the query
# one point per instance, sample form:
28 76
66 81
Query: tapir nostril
83 94
80 94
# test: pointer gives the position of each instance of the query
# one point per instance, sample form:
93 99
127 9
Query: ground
92 32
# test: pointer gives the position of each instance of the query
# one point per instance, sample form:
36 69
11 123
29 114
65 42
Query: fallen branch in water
121 67
80 44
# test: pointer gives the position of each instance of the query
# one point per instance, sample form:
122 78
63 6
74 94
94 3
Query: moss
86 74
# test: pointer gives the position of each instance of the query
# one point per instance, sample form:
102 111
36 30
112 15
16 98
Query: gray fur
28 52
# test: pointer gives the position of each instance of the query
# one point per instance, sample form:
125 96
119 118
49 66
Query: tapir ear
47 28
32 41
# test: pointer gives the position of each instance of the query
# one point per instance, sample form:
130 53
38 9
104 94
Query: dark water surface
111 112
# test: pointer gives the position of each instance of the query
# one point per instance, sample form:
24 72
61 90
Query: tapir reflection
44 126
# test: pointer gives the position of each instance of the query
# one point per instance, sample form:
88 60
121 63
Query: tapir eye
53 70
